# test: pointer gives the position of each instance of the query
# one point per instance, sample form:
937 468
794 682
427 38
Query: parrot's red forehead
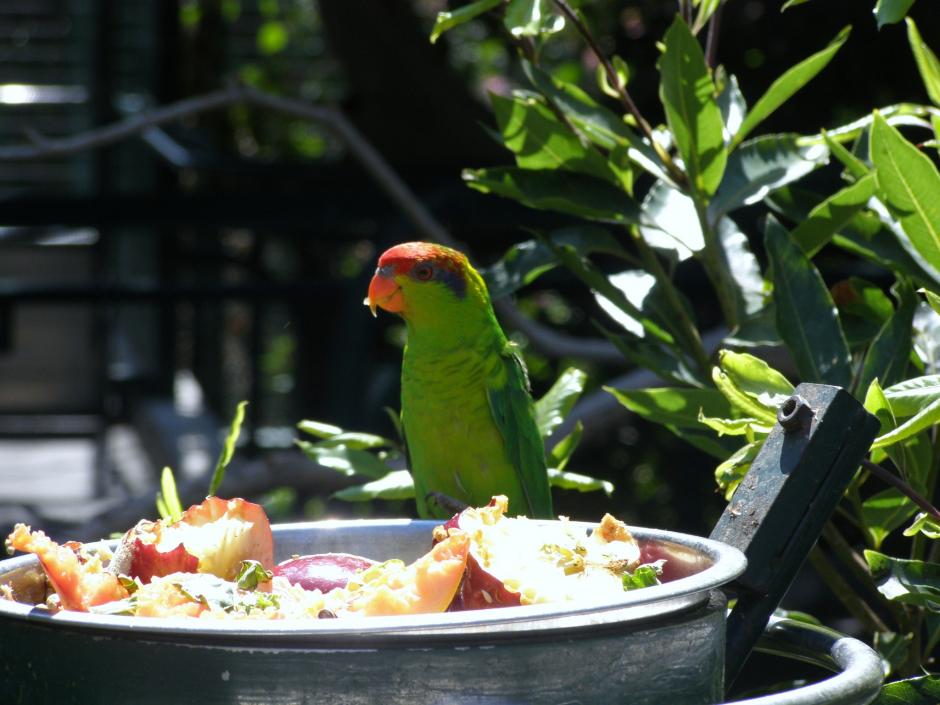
401 258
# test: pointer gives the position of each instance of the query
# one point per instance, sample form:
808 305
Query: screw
795 414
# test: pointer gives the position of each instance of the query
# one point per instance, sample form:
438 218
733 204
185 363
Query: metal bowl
649 644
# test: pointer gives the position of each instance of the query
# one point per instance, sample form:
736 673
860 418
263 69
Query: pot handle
779 509
859 670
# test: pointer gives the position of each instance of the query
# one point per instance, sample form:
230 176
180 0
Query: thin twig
629 106
902 487
859 609
711 42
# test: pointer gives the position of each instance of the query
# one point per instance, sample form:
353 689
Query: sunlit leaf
884 512
348 461
926 417
736 427
673 406
909 581
397 484
531 18
749 286
671 222
910 183
581 483
789 83
927 62
228 448
925 524
830 216
755 378
923 690
551 409
730 472
688 96
562 451
564 192
912 396
887 357
448 20
731 103
864 309
932 299
168 499
806 315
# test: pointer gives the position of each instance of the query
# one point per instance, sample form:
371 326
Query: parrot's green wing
513 411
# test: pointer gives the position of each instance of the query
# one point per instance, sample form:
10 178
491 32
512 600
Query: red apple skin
480 589
322 571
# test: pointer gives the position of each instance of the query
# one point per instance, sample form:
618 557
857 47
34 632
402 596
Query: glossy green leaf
749 427
334 436
688 96
562 451
923 690
887 357
731 103
755 378
830 216
789 83
228 448
749 286
397 484
926 417
806 316
673 406
907 581
927 339
560 191
891 11
884 512
551 409
580 483
791 3
909 182
641 289
601 284
448 20
532 18
924 524
893 648
932 299
864 309
663 361
671 222
744 403
853 165
600 125
912 396
525 261
348 461
728 474
927 62
706 8
762 165
541 141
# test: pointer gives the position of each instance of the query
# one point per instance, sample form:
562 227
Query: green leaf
397 484
864 309
749 427
645 575
448 20
911 582
706 9
564 192
640 289
927 62
910 183
884 512
762 165
731 103
319 429
664 361
739 400
853 165
791 3
671 222
551 409
925 418
932 299
728 474
336 436
673 406
348 461
228 448
562 451
601 126
887 358
168 499
756 379
891 11
789 83
524 262
923 690
830 216
806 316
924 524
749 286
688 96
581 483
912 396
532 18
251 574
893 647
541 141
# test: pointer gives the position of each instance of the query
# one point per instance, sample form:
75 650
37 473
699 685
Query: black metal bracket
778 511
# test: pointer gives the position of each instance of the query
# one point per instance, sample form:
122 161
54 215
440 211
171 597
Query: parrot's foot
445 503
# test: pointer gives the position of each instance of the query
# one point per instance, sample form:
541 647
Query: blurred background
148 286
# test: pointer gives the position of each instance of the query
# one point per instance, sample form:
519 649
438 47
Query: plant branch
711 42
859 609
716 266
902 487
629 106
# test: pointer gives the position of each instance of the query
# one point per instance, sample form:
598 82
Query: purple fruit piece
322 571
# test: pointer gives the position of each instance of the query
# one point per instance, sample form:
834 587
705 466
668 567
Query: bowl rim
635 606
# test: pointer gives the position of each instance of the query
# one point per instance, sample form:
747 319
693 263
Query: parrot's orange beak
384 293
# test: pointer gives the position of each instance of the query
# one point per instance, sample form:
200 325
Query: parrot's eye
423 272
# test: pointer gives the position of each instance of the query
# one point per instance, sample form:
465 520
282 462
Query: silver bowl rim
727 563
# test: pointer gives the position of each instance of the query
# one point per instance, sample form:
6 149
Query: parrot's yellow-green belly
454 444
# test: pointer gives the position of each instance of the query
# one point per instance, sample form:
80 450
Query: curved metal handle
859 676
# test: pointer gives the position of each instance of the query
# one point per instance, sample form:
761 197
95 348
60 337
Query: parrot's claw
445 502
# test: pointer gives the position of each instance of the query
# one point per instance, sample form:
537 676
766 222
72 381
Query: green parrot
467 413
